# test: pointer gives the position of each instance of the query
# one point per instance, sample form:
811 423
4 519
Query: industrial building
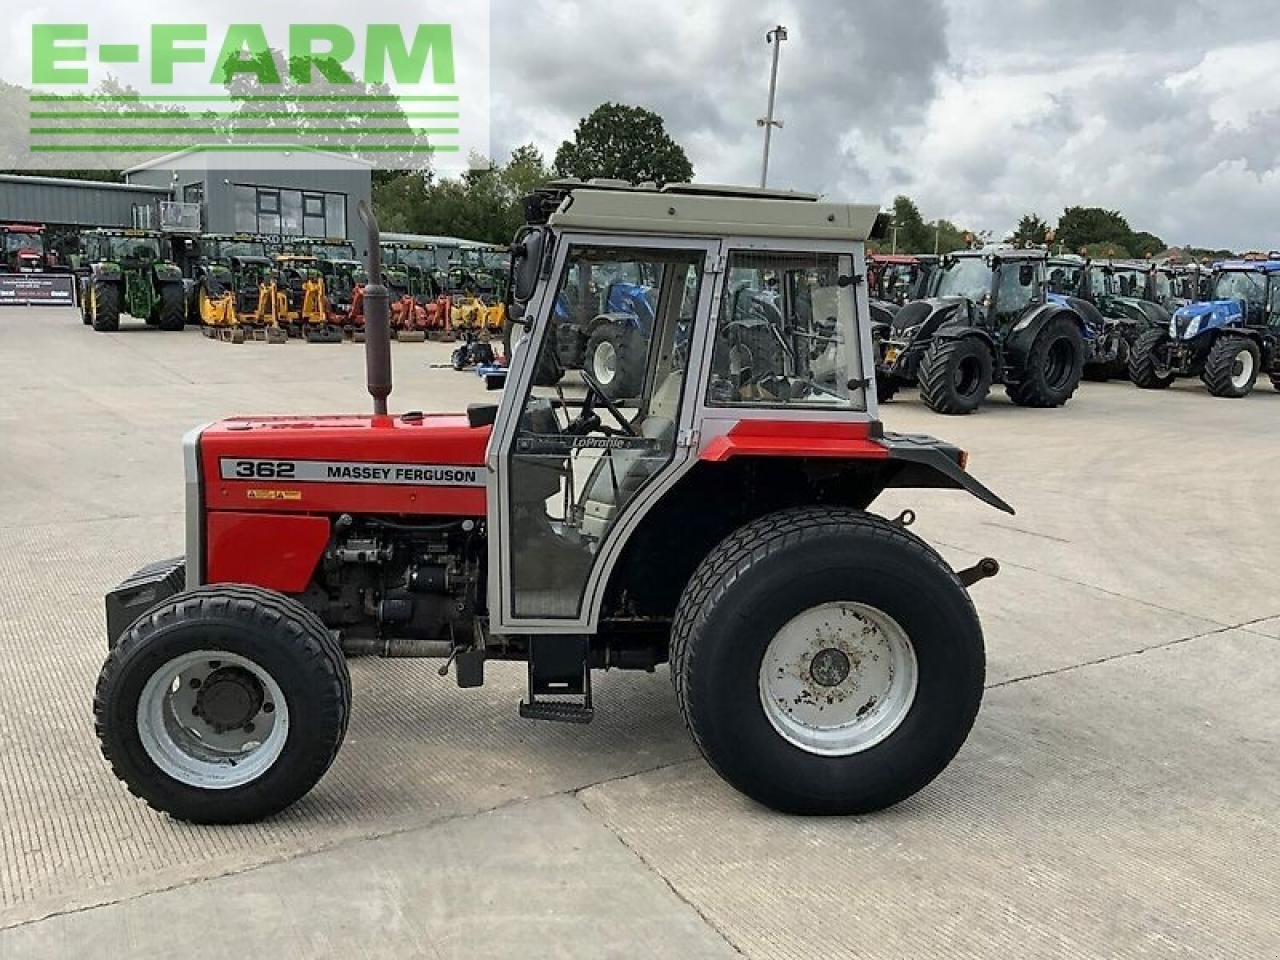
194 191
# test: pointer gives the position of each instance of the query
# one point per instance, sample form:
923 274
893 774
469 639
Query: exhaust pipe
377 322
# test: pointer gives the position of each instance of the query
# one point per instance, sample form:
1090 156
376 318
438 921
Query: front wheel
827 661
104 307
1231 369
224 704
1051 370
955 375
171 312
1148 368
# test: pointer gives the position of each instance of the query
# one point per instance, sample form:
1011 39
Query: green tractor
337 263
408 267
129 274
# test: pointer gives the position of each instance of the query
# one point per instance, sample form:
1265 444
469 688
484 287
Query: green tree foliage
479 205
912 233
1030 232
623 143
1106 251
1082 228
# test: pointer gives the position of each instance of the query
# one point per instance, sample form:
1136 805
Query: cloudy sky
1167 110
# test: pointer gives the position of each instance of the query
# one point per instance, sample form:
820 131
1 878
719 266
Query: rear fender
1029 326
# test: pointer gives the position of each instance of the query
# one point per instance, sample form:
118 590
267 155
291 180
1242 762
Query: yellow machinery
470 312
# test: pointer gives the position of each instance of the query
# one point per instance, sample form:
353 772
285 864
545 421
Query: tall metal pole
775 37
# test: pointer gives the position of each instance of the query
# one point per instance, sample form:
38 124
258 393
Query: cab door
572 468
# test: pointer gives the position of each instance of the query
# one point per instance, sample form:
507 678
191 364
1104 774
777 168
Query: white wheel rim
1242 370
605 363
838 678
189 748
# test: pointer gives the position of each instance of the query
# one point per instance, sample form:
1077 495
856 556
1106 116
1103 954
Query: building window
193 193
294 213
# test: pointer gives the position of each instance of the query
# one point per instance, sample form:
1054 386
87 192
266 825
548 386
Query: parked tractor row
240 286
1038 324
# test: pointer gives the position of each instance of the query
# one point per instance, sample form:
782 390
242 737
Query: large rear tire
105 307
827 661
955 375
615 357
172 310
224 704
1231 369
1146 368
1053 366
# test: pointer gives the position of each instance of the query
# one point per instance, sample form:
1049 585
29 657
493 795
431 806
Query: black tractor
989 319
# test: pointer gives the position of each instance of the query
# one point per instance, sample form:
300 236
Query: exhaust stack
377 324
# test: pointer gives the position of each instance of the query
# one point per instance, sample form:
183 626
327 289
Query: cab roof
1257 266
709 210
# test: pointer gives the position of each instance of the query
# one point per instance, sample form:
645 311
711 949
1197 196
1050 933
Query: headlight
1192 328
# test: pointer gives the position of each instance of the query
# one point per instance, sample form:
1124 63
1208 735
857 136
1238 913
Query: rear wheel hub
229 698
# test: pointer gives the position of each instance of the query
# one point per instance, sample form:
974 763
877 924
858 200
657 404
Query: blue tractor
989 319
1226 340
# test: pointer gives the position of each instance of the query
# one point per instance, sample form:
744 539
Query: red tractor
825 659
24 249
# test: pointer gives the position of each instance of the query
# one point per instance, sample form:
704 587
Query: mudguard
932 463
1033 321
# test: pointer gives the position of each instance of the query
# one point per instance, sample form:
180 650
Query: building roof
80 184
225 156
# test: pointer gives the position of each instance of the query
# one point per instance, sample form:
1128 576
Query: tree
950 238
1106 251
1080 226
1145 245
482 204
623 143
1031 232
913 235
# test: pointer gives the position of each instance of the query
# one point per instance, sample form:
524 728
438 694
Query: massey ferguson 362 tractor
1226 340
826 659
989 319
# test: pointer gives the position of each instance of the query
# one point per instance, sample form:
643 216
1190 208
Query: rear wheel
1053 366
1231 369
827 661
223 705
955 375
615 357
105 306
172 310
1148 367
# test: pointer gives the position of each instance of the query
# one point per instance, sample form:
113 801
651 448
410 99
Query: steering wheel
587 420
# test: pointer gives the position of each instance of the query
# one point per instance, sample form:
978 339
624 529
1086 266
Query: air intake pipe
377 323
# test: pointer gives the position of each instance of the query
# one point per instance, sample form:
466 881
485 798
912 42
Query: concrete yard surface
1118 796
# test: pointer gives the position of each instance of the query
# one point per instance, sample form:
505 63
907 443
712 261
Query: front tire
1146 369
955 375
224 704
1231 369
615 356
1053 366
827 661
105 307
172 311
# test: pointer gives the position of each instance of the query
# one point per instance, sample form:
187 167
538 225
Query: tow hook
985 568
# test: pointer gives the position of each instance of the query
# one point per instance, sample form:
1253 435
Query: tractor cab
717 519
23 249
1227 339
229 272
409 269
989 318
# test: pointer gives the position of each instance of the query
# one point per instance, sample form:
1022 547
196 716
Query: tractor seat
620 474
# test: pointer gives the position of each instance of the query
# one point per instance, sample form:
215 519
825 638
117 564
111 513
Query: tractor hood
1195 318
411 464
925 316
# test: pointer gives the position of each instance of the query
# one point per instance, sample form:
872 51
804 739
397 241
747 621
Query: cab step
559 681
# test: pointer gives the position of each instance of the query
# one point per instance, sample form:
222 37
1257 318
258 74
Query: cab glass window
786 335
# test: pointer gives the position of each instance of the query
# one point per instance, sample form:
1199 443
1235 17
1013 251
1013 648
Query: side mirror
1026 275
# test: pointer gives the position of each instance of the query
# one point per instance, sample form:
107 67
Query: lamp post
775 37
